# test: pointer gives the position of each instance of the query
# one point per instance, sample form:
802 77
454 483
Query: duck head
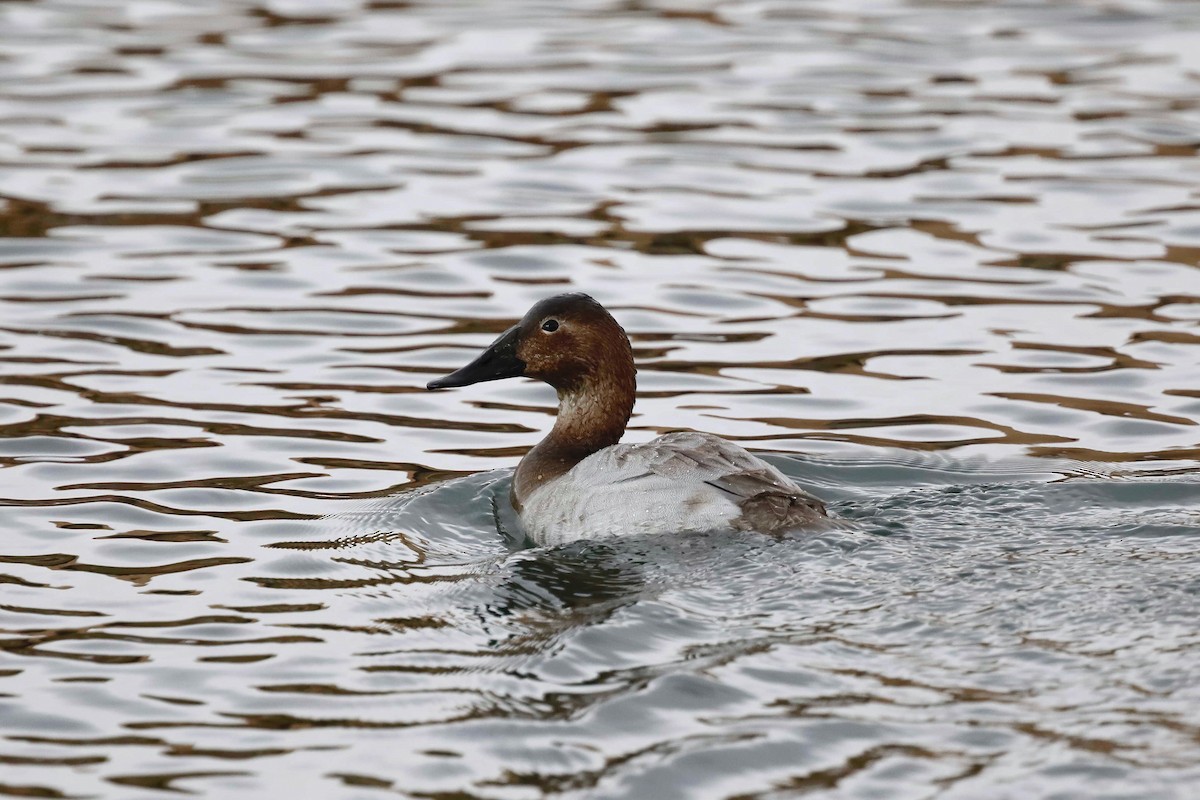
568 341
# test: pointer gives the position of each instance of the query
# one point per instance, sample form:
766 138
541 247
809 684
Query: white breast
677 483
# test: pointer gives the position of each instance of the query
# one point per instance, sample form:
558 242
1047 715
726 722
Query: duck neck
592 414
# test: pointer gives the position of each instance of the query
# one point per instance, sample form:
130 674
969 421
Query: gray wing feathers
768 500
678 483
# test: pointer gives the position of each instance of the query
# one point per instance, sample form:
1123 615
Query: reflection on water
945 255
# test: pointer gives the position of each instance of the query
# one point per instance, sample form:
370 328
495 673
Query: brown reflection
158 508
138 575
412 545
359 583
1117 360
174 701
169 536
934 164
418 475
30 791
35 643
1168 337
1009 434
885 442
288 722
26 761
617 235
876 317
33 646
1186 453
276 608
390 291
227 754
53 612
1111 408
208 619
871 758
136 345
486 452
97 741
317 688
53 425
849 363
16 581
365 781
258 484
239 659
164 781
27 217
1073 741
764 391
58 298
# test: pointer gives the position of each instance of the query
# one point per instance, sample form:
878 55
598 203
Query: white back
678 483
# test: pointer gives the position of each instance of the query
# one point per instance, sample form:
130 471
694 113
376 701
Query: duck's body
678 483
580 483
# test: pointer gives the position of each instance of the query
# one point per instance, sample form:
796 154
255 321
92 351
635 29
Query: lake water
936 260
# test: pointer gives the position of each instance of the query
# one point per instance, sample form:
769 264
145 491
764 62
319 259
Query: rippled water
939 259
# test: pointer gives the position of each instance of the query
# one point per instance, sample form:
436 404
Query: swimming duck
580 483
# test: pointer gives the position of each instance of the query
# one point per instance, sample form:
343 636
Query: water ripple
939 260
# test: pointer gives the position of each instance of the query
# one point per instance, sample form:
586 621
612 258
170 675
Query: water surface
937 260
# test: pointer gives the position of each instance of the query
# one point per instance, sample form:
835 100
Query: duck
580 482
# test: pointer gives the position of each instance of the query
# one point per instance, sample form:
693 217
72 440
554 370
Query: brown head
568 341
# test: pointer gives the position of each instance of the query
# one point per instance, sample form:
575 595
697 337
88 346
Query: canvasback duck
580 483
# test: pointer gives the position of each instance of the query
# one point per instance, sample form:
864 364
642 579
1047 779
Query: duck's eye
550 325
